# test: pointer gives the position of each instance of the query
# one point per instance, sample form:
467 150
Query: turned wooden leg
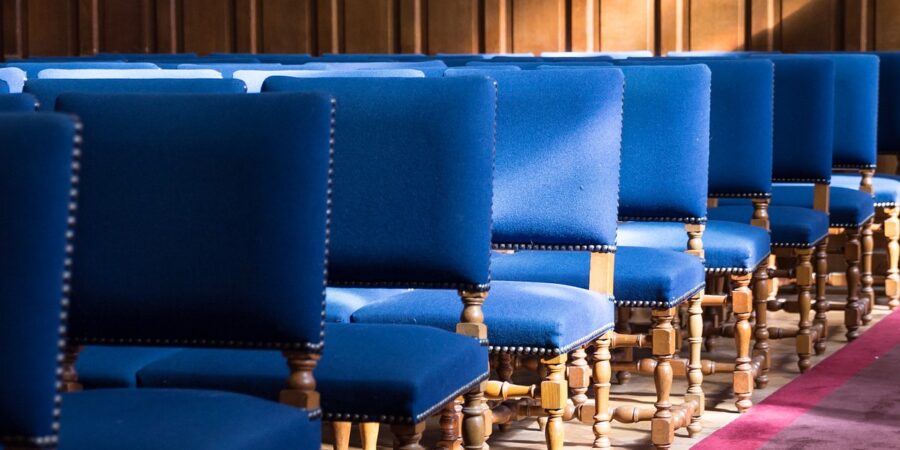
341 435
662 426
852 253
579 377
623 326
867 292
761 329
407 437
473 428
554 396
450 439
69 376
821 320
602 374
504 373
773 282
742 306
891 229
695 372
368 432
301 384
803 273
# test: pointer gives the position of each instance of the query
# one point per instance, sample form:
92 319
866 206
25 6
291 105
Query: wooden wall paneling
497 27
124 26
859 24
88 27
247 26
370 26
811 25
627 25
453 26
672 26
718 25
329 26
169 27
412 26
887 25
208 25
585 25
765 25
538 26
15 27
52 27
288 26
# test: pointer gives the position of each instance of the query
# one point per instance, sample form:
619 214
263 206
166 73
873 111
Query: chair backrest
14 78
431 68
412 206
804 119
889 103
740 147
531 65
126 74
35 183
4 87
17 103
254 79
32 69
201 220
47 90
556 176
227 69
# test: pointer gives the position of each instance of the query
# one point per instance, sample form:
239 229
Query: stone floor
720 408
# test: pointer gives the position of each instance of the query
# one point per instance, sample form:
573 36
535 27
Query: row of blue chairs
196 226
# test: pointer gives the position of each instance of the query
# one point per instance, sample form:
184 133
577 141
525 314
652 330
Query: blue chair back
32 69
201 220
47 90
227 69
412 206
4 87
532 65
127 74
889 103
13 77
17 103
255 78
35 183
556 176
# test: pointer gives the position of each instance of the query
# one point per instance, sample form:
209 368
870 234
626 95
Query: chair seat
115 367
642 277
159 419
790 226
385 373
729 246
521 317
847 207
886 186
341 302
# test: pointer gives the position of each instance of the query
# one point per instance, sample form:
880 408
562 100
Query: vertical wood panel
412 26
329 19
765 25
124 26
52 27
208 26
887 25
859 24
717 24
585 25
370 26
288 26
15 28
627 25
453 26
169 34
673 25
811 25
497 29
247 26
538 26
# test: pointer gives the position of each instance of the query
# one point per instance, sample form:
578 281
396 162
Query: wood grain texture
538 26
370 26
627 25
208 25
453 26
811 25
717 25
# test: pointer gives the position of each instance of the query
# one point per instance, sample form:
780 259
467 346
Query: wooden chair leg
368 432
662 426
804 276
695 370
554 398
867 292
852 254
891 229
505 370
742 306
341 435
450 439
623 326
69 376
821 320
578 376
407 437
761 328
601 375
473 429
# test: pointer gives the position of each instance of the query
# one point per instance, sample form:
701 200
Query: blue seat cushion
643 276
109 367
847 207
341 302
790 226
521 317
154 419
729 246
385 373
886 187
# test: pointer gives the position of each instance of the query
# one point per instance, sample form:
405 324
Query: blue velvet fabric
886 187
855 110
115 367
515 314
32 69
804 118
256 78
366 371
727 245
13 77
847 207
531 65
340 303
643 276
47 90
556 173
154 419
889 103
17 103
413 206
228 69
4 87
789 226
35 175
201 219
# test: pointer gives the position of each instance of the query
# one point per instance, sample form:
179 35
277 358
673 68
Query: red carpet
851 400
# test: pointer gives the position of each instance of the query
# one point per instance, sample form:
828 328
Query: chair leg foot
473 429
761 348
695 373
601 377
821 319
341 435
852 254
742 306
662 426
407 437
804 274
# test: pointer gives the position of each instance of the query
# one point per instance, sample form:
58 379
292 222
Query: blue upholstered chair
47 90
4 87
392 226
32 69
90 73
227 69
10 103
13 77
255 78
123 207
